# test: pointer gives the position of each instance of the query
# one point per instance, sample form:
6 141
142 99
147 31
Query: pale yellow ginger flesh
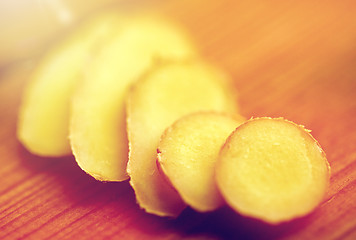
98 120
156 101
272 170
44 113
188 151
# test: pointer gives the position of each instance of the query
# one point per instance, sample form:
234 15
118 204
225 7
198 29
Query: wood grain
295 59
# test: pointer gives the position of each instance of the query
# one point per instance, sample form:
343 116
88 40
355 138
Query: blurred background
29 26
295 59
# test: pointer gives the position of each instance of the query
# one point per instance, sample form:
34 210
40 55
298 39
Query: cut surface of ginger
98 120
44 112
166 93
187 154
272 170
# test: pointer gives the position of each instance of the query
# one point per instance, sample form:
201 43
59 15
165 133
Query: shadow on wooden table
87 203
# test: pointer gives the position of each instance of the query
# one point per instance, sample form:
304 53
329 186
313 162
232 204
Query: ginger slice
156 101
187 153
44 113
98 121
272 170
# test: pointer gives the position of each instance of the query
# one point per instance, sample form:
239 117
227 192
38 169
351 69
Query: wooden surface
295 59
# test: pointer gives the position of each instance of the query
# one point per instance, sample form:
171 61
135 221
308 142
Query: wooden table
295 59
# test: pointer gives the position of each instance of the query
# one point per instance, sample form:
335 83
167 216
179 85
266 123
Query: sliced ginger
188 151
98 121
273 170
43 118
165 94
269 169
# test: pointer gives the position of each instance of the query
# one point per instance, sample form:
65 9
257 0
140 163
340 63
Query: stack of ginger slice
129 96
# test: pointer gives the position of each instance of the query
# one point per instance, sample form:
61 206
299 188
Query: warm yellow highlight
273 170
188 151
44 114
164 95
98 120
